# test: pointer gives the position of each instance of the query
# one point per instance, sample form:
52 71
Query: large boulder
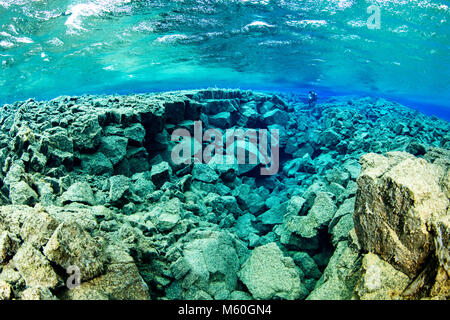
204 172
318 217
398 198
276 116
114 148
340 277
120 281
160 173
269 274
206 265
96 164
79 192
86 132
379 280
21 193
35 268
70 245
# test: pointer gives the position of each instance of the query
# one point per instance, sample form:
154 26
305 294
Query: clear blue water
72 47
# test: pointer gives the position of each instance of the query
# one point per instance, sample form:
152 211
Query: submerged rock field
93 205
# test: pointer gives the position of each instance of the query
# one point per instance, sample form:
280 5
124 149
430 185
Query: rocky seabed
93 207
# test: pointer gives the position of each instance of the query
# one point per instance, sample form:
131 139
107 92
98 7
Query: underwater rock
217 106
79 192
85 132
442 241
329 138
276 116
204 172
37 293
380 280
340 231
249 200
167 220
221 120
142 184
295 205
340 276
269 274
274 215
36 229
318 217
187 235
346 208
8 246
398 196
222 205
96 164
21 193
59 146
35 268
72 246
120 281
114 148
338 176
119 185
353 167
244 228
225 166
6 291
210 262
322 210
38 220
38 161
160 173
135 133
307 265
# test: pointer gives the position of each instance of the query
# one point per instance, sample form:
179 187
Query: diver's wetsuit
312 99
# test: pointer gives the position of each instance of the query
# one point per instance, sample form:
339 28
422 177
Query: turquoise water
63 47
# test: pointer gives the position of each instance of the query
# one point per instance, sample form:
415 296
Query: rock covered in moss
72 246
398 197
34 267
120 281
42 221
8 245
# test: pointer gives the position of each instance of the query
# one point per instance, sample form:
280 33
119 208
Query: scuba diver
312 99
